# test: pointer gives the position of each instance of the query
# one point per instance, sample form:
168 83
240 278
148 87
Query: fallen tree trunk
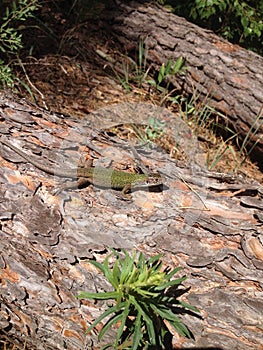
212 228
225 75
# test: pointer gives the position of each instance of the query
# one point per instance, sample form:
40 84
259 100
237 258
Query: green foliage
168 70
240 21
138 73
145 296
10 37
6 76
155 129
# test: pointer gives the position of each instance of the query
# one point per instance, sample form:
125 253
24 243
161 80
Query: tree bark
210 224
224 75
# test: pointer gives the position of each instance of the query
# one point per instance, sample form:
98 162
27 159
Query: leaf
132 276
124 314
155 258
165 313
143 273
127 267
188 306
141 259
98 265
108 273
170 283
137 335
178 65
143 310
105 314
161 74
173 272
108 324
116 274
146 294
168 67
100 295
181 329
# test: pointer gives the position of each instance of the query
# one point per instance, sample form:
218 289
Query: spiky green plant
143 301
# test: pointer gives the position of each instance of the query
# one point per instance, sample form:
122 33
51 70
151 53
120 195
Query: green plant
145 296
10 36
239 21
153 131
168 70
137 73
6 75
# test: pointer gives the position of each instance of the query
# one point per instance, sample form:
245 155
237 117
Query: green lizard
98 176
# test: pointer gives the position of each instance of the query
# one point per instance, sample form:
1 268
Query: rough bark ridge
46 239
228 74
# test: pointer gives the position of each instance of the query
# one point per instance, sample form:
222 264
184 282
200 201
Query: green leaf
146 294
178 65
108 324
116 274
100 295
155 258
143 310
127 267
181 328
170 283
165 313
125 314
132 277
188 306
168 67
141 259
143 273
172 273
137 335
109 275
98 265
7 12
105 314
161 74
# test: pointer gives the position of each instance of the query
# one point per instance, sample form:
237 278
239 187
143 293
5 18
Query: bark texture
212 227
226 75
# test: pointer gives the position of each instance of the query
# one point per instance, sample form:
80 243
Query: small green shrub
145 296
10 36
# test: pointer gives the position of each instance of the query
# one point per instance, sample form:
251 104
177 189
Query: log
224 75
208 223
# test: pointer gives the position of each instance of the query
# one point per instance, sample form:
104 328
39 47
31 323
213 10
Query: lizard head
154 179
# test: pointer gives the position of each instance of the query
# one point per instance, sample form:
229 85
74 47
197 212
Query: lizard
97 176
